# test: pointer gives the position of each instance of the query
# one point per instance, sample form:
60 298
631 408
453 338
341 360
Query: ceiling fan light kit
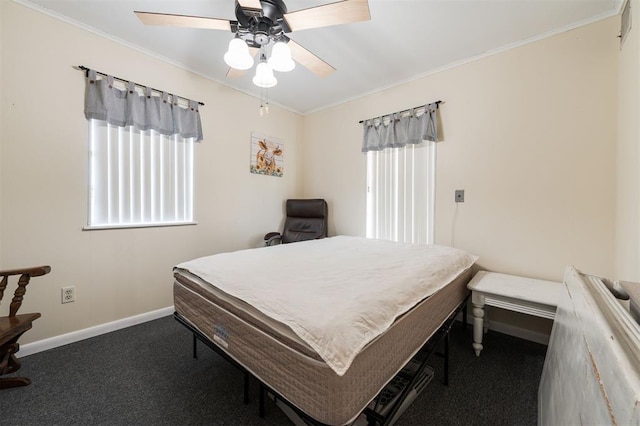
238 56
280 59
261 23
264 75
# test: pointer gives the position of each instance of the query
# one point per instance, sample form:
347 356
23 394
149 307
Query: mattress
284 362
338 293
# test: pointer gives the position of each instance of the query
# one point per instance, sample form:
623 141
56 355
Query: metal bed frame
373 417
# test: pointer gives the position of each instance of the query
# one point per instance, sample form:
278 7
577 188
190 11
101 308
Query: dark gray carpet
145 375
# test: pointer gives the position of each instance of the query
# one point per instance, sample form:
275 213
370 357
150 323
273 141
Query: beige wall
529 134
627 264
43 172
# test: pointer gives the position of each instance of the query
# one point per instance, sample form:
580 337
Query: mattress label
220 336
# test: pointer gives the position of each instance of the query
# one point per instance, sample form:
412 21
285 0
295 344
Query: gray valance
400 129
103 101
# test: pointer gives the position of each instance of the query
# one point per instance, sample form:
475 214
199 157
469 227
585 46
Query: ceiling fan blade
234 73
167 19
309 60
250 4
342 12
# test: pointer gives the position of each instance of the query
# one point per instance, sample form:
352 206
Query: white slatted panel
138 178
400 193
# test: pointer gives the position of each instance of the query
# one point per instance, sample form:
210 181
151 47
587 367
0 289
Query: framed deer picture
267 155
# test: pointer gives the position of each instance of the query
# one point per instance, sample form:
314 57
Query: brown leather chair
306 220
14 326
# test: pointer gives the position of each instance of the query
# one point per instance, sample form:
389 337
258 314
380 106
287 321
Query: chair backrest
306 220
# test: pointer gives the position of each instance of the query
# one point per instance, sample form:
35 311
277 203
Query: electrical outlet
68 294
459 195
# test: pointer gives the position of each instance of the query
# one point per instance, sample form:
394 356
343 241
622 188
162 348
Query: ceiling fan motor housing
258 27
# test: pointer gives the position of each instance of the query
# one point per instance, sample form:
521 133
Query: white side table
519 294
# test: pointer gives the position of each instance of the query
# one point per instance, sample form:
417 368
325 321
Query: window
138 178
400 193
140 154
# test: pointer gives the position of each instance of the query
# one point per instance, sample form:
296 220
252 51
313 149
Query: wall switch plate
459 195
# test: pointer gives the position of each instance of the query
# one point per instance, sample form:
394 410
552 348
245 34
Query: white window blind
138 178
400 193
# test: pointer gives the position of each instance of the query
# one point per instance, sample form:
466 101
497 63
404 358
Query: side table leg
478 327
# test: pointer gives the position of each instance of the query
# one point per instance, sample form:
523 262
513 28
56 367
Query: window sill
136 225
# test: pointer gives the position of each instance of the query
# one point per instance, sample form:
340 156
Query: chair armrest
271 238
33 272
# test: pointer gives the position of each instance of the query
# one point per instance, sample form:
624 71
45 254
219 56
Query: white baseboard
76 336
522 333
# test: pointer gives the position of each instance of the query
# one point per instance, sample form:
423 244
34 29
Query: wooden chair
14 326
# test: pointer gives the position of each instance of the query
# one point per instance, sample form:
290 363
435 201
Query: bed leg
195 346
246 388
446 359
261 402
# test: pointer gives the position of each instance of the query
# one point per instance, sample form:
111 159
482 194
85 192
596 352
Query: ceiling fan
261 22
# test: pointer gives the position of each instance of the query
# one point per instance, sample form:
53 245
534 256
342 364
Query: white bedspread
337 294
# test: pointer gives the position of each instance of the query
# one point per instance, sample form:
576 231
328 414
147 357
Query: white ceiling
404 39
